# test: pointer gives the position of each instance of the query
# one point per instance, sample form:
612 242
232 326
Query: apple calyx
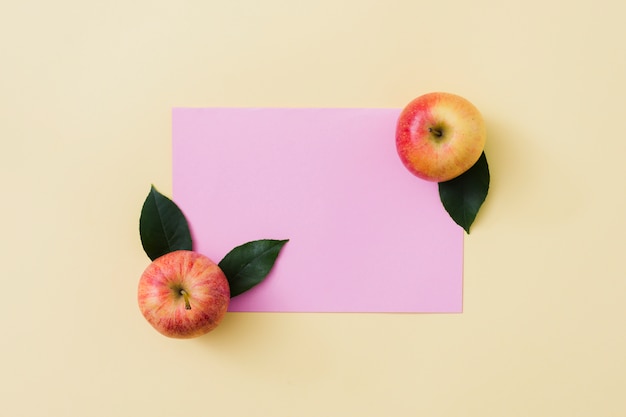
181 292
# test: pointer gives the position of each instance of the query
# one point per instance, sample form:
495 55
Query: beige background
86 89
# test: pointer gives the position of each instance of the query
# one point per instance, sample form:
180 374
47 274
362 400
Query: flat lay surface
87 93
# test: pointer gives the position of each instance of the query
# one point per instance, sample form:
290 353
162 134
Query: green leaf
247 265
462 196
162 226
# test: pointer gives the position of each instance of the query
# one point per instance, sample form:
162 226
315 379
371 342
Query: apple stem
437 132
186 297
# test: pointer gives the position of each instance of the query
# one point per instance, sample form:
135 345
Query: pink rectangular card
364 234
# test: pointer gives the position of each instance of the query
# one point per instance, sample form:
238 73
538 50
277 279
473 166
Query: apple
439 136
183 294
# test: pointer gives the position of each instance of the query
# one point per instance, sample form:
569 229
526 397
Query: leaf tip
247 265
163 227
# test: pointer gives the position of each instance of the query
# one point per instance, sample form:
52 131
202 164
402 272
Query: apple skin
439 136
163 302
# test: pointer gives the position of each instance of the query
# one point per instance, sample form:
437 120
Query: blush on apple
183 294
439 136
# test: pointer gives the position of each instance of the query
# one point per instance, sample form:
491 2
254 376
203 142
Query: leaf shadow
527 183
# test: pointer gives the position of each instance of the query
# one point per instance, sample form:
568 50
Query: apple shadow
272 345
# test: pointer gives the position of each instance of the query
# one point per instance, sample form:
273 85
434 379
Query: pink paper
365 234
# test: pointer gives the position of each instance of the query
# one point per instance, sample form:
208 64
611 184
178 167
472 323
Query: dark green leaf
247 265
162 226
462 196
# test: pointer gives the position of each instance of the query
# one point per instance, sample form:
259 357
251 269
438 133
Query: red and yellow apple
439 136
183 294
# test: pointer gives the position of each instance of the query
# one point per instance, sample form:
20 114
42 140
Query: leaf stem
436 132
186 297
